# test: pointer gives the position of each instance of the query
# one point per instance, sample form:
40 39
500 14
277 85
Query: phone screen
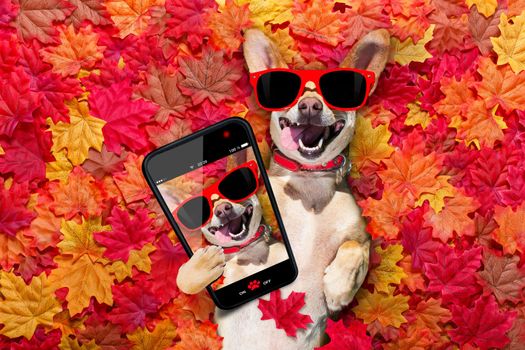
214 190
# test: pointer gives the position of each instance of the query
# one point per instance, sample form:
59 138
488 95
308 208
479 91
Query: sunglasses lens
343 89
239 184
194 213
278 89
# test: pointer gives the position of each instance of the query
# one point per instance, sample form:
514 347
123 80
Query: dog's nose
310 107
223 210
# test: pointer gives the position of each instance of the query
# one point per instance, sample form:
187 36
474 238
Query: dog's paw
344 275
204 267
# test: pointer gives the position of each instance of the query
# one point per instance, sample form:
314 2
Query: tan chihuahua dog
322 219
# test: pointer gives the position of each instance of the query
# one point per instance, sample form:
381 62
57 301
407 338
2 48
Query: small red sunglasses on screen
236 186
343 89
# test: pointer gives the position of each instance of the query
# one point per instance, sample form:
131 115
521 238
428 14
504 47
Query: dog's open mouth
235 228
310 140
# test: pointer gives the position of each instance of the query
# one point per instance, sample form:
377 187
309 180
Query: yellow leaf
76 51
60 168
2 152
369 144
137 258
485 7
269 11
67 343
161 338
482 126
84 279
510 45
131 16
437 199
24 307
80 134
388 272
78 239
386 308
417 116
406 51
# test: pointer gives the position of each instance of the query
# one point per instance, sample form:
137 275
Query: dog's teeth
320 144
301 144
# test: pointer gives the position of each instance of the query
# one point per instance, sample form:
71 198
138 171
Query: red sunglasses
236 185
343 89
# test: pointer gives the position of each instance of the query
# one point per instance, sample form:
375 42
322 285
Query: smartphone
214 190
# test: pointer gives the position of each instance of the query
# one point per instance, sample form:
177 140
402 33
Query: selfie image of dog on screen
232 239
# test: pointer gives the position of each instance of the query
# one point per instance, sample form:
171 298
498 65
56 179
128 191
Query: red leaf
166 261
285 312
189 17
483 326
127 233
353 337
132 304
207 114
41 340
453 274
123 116
106 335
209 78
14 214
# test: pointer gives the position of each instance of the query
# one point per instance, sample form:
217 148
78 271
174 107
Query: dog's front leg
204 267
345 274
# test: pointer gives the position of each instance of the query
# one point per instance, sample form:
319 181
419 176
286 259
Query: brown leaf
90 10
482 29
502 276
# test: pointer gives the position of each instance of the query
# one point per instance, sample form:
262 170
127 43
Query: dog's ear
260 52
370 53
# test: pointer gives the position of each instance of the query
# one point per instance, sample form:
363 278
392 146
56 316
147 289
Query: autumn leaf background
88 87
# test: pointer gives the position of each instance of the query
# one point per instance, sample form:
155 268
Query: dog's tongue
291 134
234 226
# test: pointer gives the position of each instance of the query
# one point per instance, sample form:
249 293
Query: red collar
292 165
257 235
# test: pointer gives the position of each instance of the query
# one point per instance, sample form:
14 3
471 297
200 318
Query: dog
322 220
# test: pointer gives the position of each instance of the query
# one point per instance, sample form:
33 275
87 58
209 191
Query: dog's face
310 132
233 224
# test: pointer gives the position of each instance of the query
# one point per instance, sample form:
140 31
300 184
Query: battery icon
244 145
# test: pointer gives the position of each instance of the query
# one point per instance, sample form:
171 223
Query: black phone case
264 176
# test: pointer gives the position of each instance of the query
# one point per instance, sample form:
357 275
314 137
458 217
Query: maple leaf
130 17
413 174
385 214
452 274
80 134
209 78
458 97
41 340
78 238
130 182
200 305
105 334
515 7
60 168
132 304
207 114
189 18
123 116
511 231
166 261
387 272
510 44
428 313
363 17
417 240
413 280
285 312
315 20
485 7
502 277
437 200
126 233
369 144
88 10
68 343
482 126
406 51
482 29
17 103
35 18
45 228
14 214
174 130
24 307
352 337
450 32
270 11
161 338
137 258
162 89
79 196
483 326
76 51
84 279
104 162
386 308
453 218
227 25
500 86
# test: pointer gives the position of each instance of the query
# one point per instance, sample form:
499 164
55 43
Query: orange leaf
228 24
130 16
511 231
199 304
161 338
413 280
429 313
13 249
386 308
458 96
363 17
203 337
453 217
76 51
131 182
482 126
